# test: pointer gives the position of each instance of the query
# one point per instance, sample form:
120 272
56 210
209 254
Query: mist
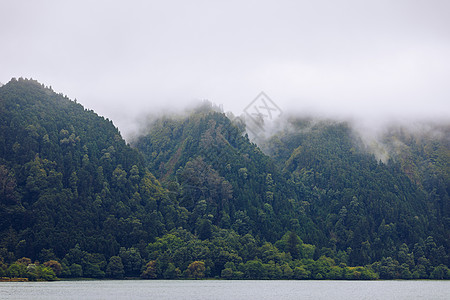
370 62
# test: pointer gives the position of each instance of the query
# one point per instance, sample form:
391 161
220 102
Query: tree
55 266
150 270
46 273
227 273
205 231
76 270
254 269
287 271
115 268
7 186
389 268
16 270
440 272
171 272
47 255
132 261
24 261
93 270
196 269
293 245
301 273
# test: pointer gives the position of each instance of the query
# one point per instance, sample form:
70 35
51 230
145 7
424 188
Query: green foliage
196 270
132 261
218 174
223 257
17 270
76 270
205 231
293 245
74 195
115 268
67 177
150 270
55 266
46 273
371 206
24 268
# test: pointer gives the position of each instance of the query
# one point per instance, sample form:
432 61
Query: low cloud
379 60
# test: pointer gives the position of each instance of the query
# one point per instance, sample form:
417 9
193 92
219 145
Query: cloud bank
377 60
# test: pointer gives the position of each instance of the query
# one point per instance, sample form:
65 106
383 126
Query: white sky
370 59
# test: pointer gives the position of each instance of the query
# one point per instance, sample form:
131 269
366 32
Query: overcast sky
373 59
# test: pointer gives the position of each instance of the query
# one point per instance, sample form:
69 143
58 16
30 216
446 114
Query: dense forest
193 197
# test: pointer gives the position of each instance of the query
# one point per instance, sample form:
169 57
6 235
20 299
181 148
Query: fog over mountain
370 61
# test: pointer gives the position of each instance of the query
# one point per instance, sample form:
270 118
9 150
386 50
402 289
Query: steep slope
219 176
319 175
67 177
372 207
423 154
75 198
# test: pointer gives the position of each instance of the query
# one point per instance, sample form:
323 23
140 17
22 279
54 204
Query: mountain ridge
74 192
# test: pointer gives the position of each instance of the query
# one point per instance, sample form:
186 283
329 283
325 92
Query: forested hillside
325 185
193 197
69 181
219 176
369 209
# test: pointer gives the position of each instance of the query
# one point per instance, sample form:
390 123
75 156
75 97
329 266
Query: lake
222 289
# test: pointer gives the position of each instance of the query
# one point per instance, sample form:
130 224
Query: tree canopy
193 197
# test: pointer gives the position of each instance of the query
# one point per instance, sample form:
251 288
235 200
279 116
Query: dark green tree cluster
424 157
68 178
366 205
217 174
227 255
75 196
321 182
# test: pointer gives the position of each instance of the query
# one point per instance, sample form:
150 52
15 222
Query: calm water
221 289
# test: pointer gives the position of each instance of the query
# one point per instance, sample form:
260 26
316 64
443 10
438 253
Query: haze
371 60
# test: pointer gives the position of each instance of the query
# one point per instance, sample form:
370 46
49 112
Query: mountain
217 174
69 180
361 202
193 197
324 183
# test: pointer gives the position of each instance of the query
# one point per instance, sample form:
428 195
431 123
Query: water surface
222 289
